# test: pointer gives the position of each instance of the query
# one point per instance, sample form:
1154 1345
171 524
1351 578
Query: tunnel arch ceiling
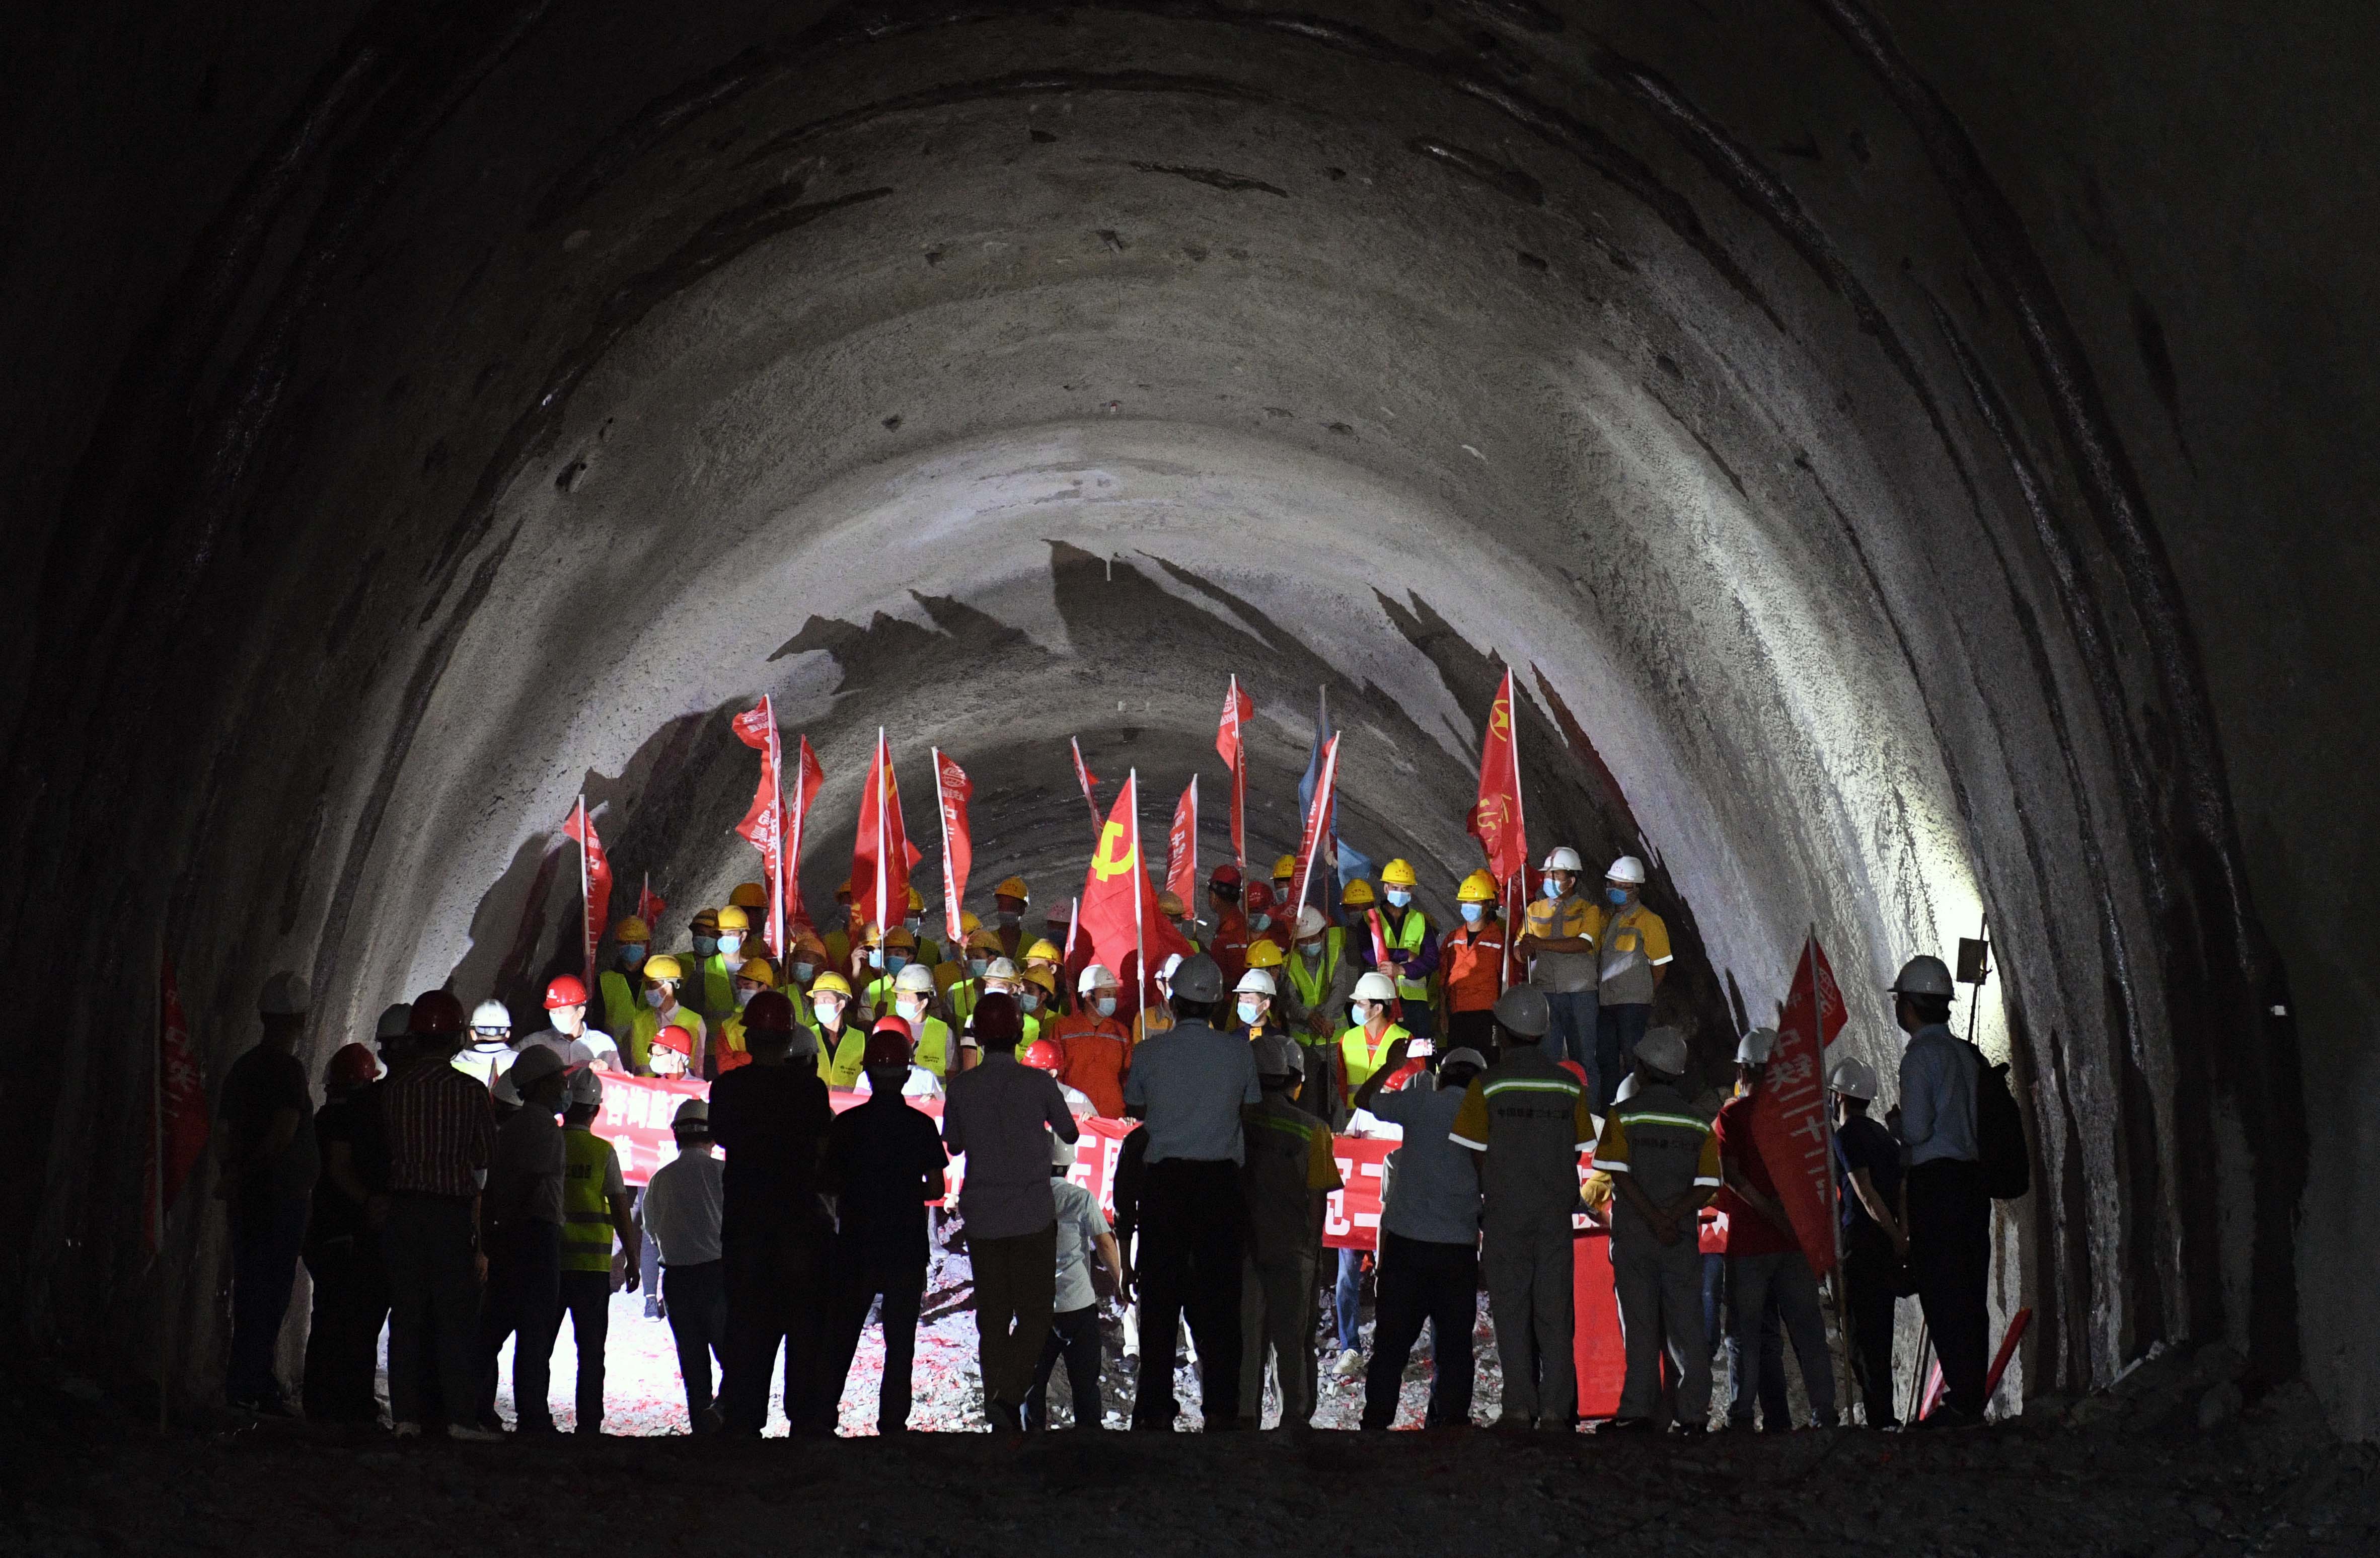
1371 349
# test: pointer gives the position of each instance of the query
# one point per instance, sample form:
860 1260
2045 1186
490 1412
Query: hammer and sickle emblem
1499 718
1104 864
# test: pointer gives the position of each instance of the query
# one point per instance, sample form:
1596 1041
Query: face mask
1009 919
895 961
1473 913
744 997
1309 949
826 1011
1258 922
704 946
977 965
1249 1013
915 924
1553 888
1399 898
729 942
1361 1011
910 1010
1617 895
804 971
654 998
1107 1006
876 957
1030 1003
632 955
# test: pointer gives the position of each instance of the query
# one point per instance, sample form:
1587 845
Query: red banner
1231 744
764 821
595 878
1182 849
1496 821
1087 779
1317 818
953 790
1118 910
807 777
650 905
180 1103
881 855
1789 1112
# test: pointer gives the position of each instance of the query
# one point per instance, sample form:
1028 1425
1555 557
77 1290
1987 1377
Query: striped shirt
441 1130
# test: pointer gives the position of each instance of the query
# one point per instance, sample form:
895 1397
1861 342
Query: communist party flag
1182 847
881 855
180 1105
1238 710
1118 913
594 879
1495 821
953 790
764 821
1790 1122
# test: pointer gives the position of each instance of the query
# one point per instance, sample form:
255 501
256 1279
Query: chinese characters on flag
1182 847
953 790
1231 746
595 873
1789 1114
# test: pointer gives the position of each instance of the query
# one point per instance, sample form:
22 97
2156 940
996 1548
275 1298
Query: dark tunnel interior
1914 458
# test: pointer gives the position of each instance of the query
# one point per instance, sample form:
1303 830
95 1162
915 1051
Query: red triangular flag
1117 915
1231 745
1789 1112
181 1106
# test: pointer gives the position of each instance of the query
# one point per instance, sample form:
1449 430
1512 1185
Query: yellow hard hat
632 929
706 920
735 920
1478 887
1399 874
1285 866
1264 953
663 967
968 923
1013 888
808 941
1043 978
832 982
983 940
1358 895
758 971
899 937
1044 950
1170 903
916 899
749 894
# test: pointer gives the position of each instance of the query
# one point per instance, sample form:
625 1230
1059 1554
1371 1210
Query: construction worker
1430 1238
950 959
982 950
913 999
844 934
487 1054
1633 958
671 1053
680 1215
1094 1048
1663 1164
1412 947
1284 884
1177 914
565 1032
1048 955
1363 1049
1764 1255
924 948
1557 939
595 1208
1255 1006
1008 904
341 1255
1471 956
1083 1236
1286 1183
1158 1016
619 985
1311 991
663 974
1264 925
999 978
1868 1190
1356 899
726 1048
1037 997
703 936
1529 1119
841 1030
899 950
1950 1209
716 1000
521 1215
884 1162
1229 943
268 1165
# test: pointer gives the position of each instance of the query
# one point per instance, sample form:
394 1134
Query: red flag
1087 779
594 879
764 820
1118 911
650 905
952 788
1789 1112
1496 820
882 856
181 1107
807 777
1317 817
1182 847
1238 710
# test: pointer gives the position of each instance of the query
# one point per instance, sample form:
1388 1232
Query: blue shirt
1864 1143
1192 1082
1432 1193
1937 1097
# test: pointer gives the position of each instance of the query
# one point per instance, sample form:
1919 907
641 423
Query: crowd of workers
452 1185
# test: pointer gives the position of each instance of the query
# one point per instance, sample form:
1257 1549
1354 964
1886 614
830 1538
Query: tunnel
1904 453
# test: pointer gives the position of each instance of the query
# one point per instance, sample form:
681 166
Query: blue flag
1348 864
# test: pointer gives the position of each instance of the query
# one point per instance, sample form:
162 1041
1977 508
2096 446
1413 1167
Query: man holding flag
1764 1253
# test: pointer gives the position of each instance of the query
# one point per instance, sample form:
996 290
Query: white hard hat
1165 970
1853 1079
1627 868
1061 1153
1663 1049
1256 981
1375 986
914 979
284 995
1094 977
999 968
1310 922
1463 1054
1562 859
585 1088
1922 976
1627 1088
491 1013
1756 1047
394 1021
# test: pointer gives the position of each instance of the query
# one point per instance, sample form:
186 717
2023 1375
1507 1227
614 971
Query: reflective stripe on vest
586 1210
1408 941
1361 1059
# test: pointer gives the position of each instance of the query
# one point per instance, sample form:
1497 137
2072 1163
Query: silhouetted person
1949 1220
681 1212
521 1230
268 1164
343 1254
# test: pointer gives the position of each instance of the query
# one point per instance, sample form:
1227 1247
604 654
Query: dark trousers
343 1346
266 1236
587 1300
524 1303
1420 1281
696 1298
1773 1402
1190 1250
858 1283
1951 1261
1571 1032
776 1297
1074 1337
433 1322
1873 1280
1618 1031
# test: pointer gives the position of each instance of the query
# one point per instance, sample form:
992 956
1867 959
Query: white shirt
574 1052
920 1083
1080 1224
682 1205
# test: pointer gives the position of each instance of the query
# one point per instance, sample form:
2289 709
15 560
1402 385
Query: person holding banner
662 976
1764 1255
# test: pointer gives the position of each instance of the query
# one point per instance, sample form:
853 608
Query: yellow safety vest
1360 1057
934 1051
840 1065
637 1045
620 1003
1408 941
1312 986
963 996
716 1000
586 1210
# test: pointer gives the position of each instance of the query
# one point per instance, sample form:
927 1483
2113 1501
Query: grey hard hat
1756 1047
1523 1010
1463 1054
284 995
1061 1152
585 1088
395 1022
505 1092
1277 1056
537 1063
1922 976
1853 1078
692 1115
1664 1050
1198 979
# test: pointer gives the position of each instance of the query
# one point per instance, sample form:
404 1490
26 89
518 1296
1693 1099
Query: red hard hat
1042 1055
352 1066
435 1011
1225 876
565 991
769 1012
1259 896
677 1038
890 1023
888 1043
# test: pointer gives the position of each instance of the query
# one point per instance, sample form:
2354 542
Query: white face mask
1107 1005
912 1009
827 1009
1250 1012
569 1019
668 1063
744 997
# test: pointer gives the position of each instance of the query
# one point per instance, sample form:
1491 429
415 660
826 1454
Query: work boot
1350 1365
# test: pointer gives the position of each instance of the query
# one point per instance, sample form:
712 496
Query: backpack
1999 1133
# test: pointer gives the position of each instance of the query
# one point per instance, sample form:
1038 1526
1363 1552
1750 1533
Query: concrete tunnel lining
567 462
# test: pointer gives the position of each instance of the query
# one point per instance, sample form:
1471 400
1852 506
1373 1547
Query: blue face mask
1028 1002
729 945
802 972
1249 1012
1399 898
1260 921
1617 895
632 955
704 946
895 961
1107 1005
876 957
1553 888
1473 912
977 965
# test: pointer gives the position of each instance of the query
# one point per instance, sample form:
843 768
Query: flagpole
1140 948
585 910
776 826
1519 888
793 854
1827 1113
942 807
884 783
